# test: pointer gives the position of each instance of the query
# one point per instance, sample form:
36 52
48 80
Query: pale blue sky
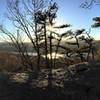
69 12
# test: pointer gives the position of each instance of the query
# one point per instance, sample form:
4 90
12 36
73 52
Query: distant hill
10 47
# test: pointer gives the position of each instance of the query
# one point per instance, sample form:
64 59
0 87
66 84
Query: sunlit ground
53 55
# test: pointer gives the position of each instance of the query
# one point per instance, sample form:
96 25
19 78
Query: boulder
80 67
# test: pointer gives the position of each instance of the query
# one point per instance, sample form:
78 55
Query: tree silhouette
46 19
97 22
89 3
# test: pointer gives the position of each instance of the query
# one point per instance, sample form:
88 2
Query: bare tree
21 47
31 18
22 13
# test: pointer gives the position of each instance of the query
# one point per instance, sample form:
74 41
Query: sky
69 12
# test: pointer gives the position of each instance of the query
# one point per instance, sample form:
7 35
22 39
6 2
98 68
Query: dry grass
8 61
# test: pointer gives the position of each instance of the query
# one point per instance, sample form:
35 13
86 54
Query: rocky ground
82 82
